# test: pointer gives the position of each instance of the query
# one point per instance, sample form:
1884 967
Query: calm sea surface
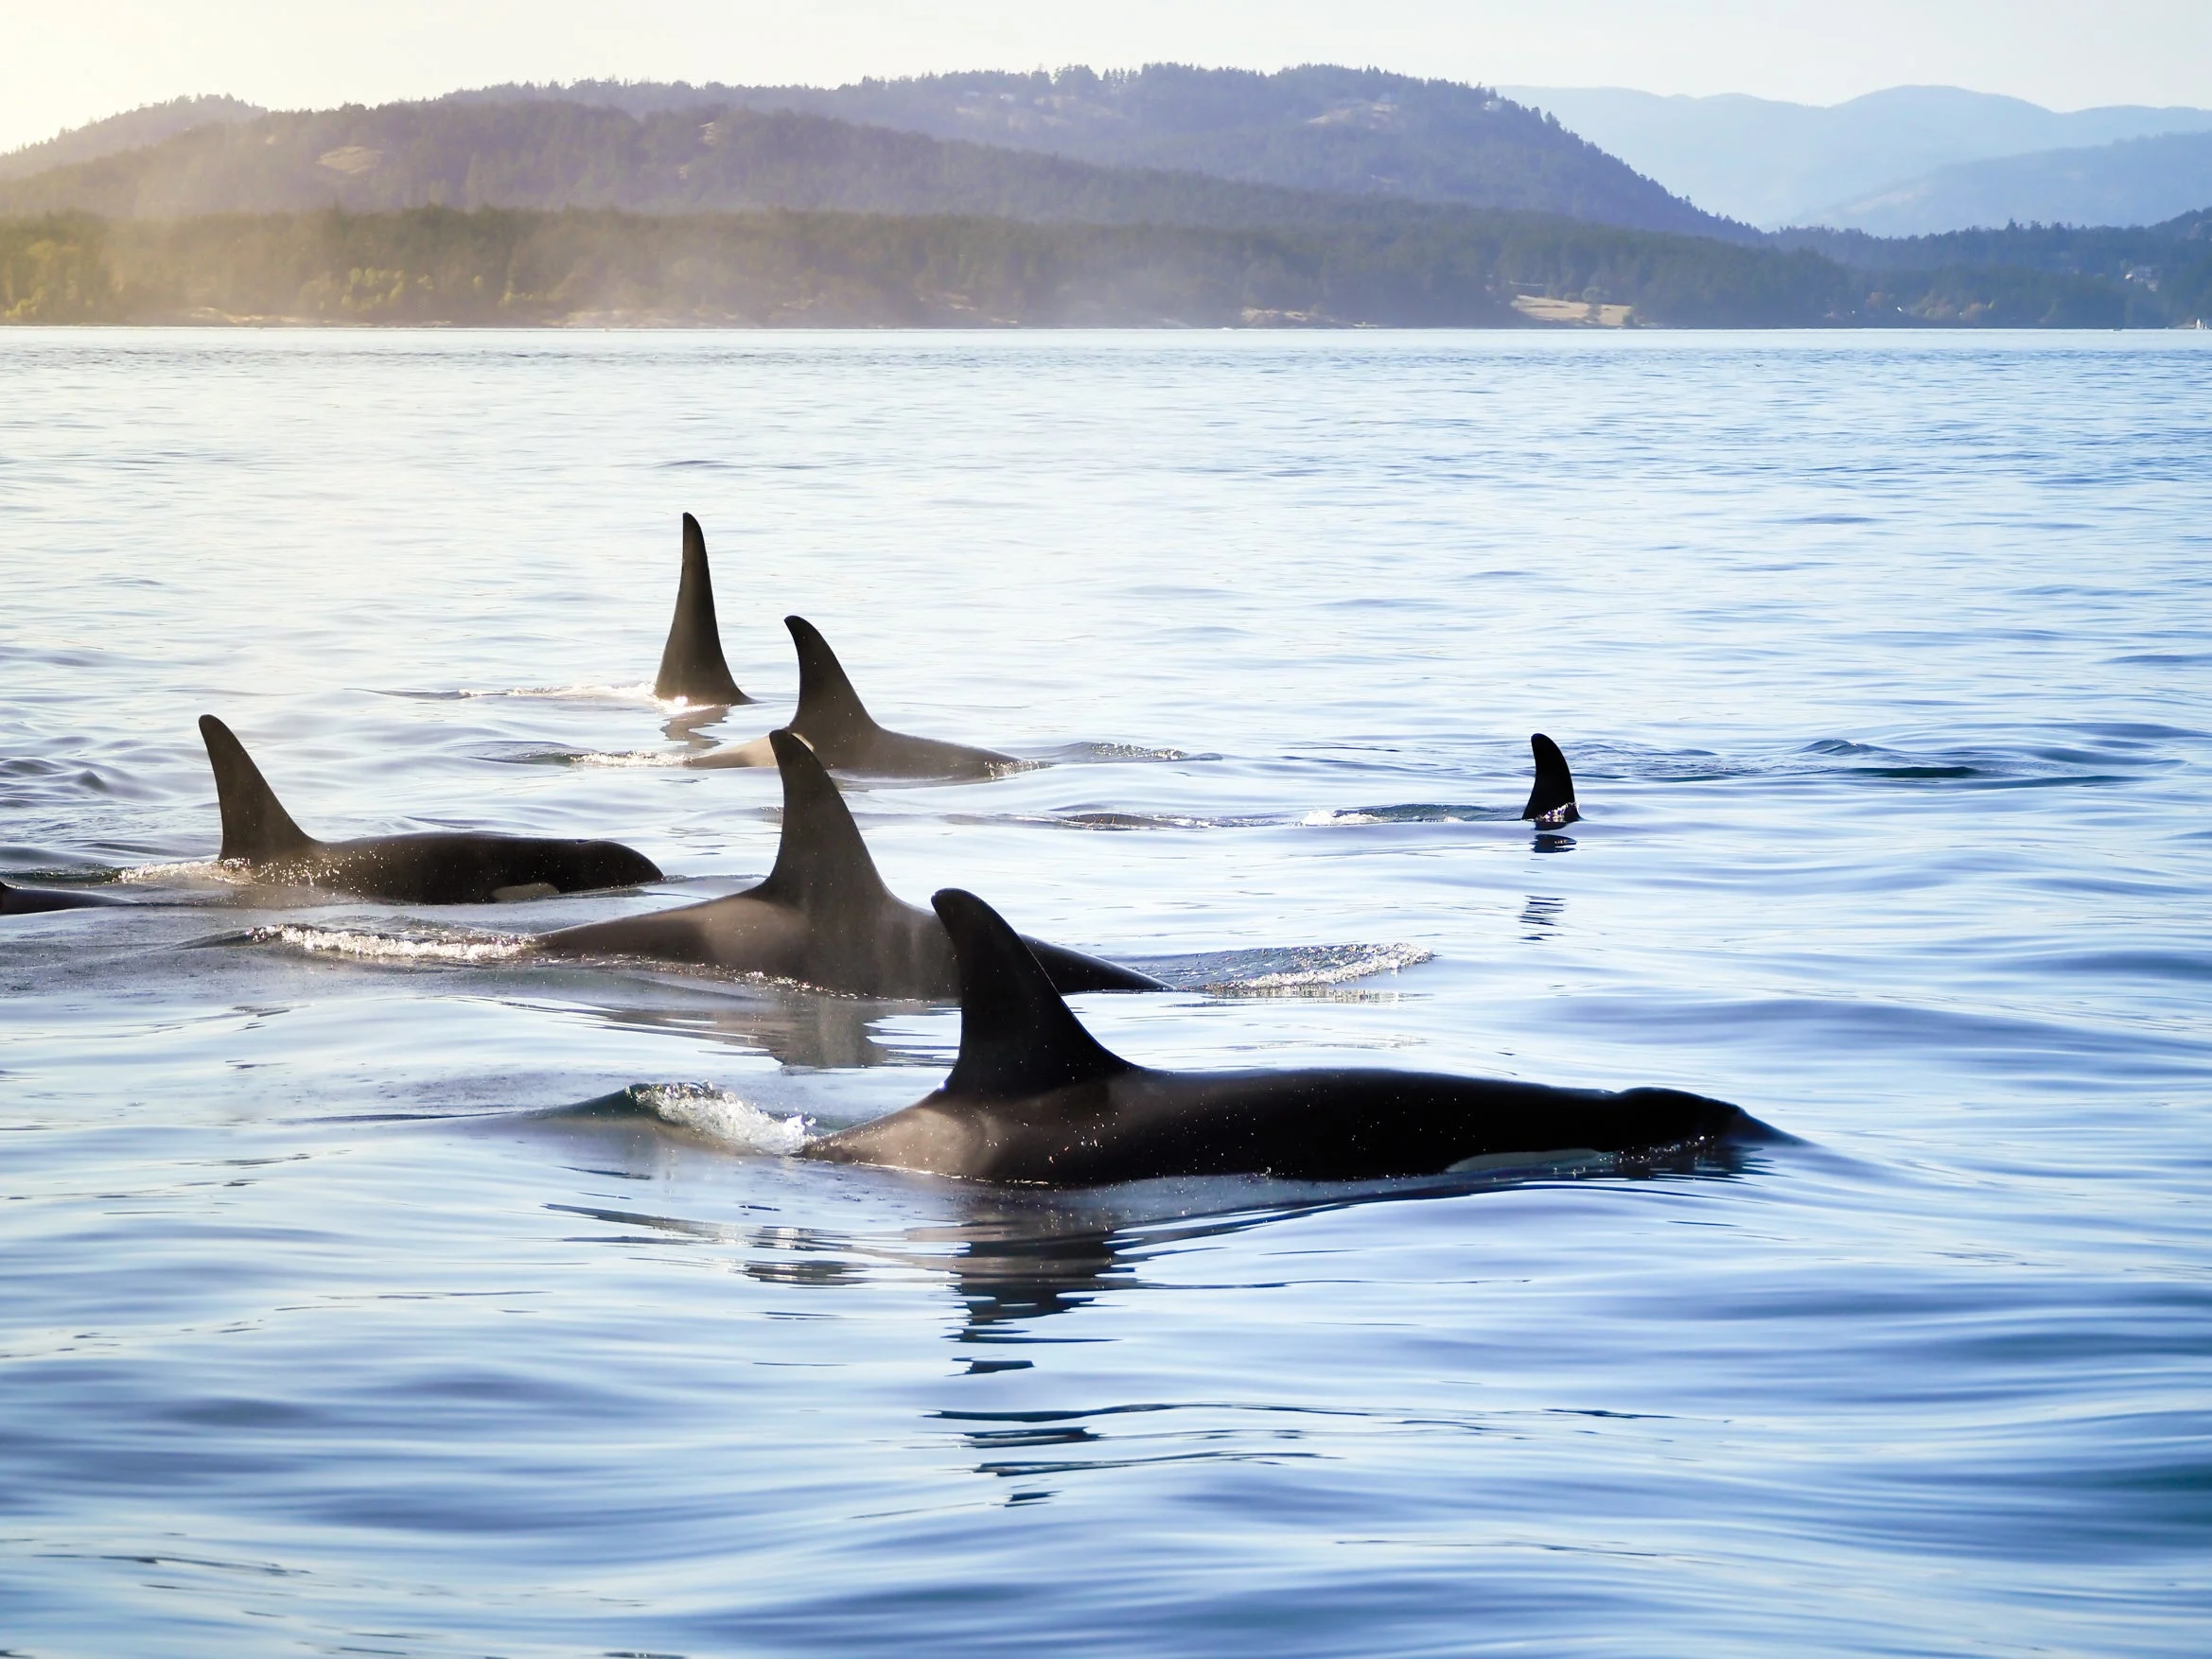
367 1287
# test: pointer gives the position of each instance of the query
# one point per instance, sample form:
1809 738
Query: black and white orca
437 867
1035 1098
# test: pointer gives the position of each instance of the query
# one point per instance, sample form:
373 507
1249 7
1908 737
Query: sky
63 65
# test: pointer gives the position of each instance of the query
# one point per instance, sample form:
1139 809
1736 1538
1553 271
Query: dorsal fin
692 663
830 710
1017 1036
254 824
820 858
1551 801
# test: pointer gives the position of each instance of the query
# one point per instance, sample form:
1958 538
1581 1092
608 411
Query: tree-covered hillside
131 129
2151 276
1452 268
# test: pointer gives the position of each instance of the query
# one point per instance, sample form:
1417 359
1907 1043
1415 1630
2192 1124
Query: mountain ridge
1777 164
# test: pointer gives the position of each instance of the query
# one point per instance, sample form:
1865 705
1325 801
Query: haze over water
324 1324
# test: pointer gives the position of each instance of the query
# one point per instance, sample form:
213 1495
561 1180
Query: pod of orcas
1032 1097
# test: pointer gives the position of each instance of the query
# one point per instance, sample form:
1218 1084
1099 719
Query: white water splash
710 1112
371 947
204 869
637 693
1336 965
632 757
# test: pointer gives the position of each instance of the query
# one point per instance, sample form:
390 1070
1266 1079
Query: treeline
776 268
781 268
495 266
2088 277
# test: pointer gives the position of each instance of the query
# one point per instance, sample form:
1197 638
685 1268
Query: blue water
329 1324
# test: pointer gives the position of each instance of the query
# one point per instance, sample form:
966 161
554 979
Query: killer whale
838 727
31 901
692 665
823 917
438 867
1034 1097
1551 800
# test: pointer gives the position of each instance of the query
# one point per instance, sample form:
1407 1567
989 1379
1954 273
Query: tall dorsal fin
821 858
1551 801
254 824
1017 1037
692 663
830 710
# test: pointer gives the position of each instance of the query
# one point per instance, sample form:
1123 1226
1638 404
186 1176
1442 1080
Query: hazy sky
61 65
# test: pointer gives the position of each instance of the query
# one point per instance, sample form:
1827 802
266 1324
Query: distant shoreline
778 267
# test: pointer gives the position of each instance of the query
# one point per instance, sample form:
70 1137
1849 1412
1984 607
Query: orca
439 868
31 900
1551 802
838 727
1035 1098
823 917
693 668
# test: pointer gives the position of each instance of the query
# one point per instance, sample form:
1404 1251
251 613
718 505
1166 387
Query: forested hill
555 156
129 130
1320 127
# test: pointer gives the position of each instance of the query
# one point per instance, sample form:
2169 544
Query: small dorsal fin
692 663
820 858
1017 1036
1551 801
829 712
254 824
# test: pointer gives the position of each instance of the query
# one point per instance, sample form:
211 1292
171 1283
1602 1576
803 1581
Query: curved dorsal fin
1017 1036
692 663
254 824
820 858
830 710
1551 801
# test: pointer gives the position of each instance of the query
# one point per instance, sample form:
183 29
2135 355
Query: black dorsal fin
1017 1036
1551 801
254 824
692 663
829 712
820 858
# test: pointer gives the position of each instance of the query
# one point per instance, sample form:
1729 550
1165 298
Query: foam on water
382 947
1282 970
724 1117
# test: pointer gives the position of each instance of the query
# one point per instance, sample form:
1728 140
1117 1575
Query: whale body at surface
35 900
434 867
823 918
838 727
693 668
1035 1098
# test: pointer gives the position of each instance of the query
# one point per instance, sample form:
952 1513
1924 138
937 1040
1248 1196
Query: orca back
831 715
254 824
692 663
821 863
1018 1037
1551 802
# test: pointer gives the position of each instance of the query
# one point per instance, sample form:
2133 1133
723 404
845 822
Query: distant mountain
550 155
2138 182
130 130
1318 128
1778 164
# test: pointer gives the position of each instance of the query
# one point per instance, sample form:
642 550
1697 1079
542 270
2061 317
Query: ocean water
366 1286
